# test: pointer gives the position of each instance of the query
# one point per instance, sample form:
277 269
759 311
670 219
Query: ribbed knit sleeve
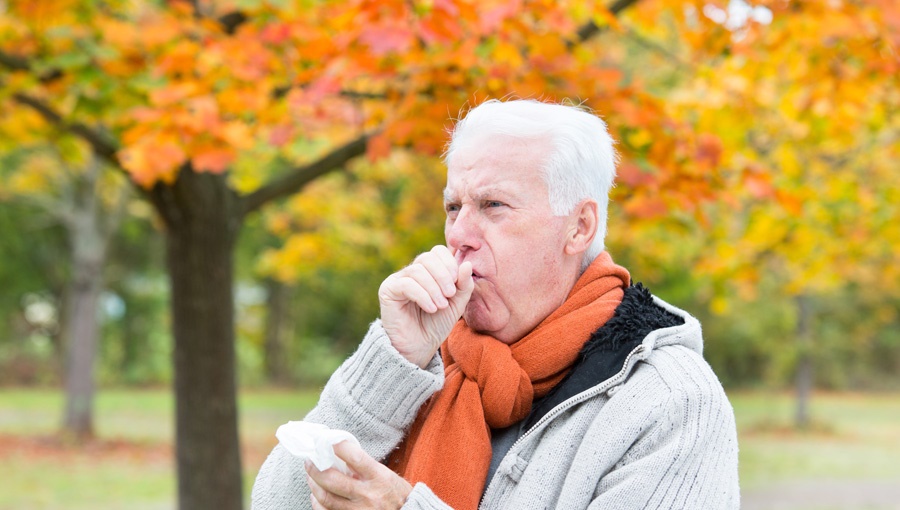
375 395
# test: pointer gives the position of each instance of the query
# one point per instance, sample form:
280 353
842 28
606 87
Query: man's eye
452 208
493 203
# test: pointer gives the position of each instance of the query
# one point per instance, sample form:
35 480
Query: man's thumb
465 283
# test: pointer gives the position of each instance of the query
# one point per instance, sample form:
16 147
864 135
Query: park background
199 199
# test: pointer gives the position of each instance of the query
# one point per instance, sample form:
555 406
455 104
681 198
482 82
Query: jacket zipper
562 406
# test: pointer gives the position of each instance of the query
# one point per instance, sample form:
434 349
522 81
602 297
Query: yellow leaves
212 159
301 253
438 27
742 120
20 127
639 138
158 29
240 99
603 18
153 158
153 154
766 230
181 59
389 37
174 93
183 125
248 60
709 151
758 183
43 14
39 173
633 175
720 305
646 206
791 202
235 133
508 54
118 33
549 46
385 213
379 146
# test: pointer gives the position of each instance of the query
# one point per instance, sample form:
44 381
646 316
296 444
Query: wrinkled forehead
487 146
501 166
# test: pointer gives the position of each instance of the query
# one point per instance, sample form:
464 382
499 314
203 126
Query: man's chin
479 319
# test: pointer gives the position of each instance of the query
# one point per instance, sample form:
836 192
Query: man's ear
582 227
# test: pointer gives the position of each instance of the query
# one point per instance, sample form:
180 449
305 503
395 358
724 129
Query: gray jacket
653 430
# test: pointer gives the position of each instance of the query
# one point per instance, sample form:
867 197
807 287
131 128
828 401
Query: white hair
582 161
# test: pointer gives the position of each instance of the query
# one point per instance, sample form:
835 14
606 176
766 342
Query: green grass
144 415
852 437
33 477
855 437
84 483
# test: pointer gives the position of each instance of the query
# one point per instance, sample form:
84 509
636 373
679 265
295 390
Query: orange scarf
488 384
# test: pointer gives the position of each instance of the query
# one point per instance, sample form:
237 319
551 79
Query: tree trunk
804 376
130 341
202 226
81 333
80 212
277 329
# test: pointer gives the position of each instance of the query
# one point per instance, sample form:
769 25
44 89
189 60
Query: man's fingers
429 281
387 489
449 261
465 281
330 482
402 289
318 495
466 284
417 284
358 460
322 499
442 267
410 290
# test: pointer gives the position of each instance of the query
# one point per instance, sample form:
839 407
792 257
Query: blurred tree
65 181
339 238
803 99
278 322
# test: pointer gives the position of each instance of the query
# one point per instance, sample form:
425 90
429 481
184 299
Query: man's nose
464 232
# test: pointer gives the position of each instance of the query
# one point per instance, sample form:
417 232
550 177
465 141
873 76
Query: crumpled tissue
315 442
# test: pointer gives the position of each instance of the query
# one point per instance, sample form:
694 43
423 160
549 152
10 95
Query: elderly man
517 367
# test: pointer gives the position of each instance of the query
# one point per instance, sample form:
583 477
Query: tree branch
299 177
102 145
584 33
232 20
591 29
658 48
15 63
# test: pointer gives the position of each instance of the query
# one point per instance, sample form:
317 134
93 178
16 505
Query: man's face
499 218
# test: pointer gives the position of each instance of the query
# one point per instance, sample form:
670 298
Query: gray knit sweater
658 433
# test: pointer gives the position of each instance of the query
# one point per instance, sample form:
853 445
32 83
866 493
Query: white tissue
314 442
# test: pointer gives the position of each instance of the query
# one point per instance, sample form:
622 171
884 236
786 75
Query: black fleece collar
604 354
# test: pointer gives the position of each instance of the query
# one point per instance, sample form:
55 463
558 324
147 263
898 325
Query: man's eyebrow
480 194
448 195
491 192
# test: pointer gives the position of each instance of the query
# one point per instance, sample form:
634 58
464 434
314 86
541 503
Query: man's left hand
373 484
